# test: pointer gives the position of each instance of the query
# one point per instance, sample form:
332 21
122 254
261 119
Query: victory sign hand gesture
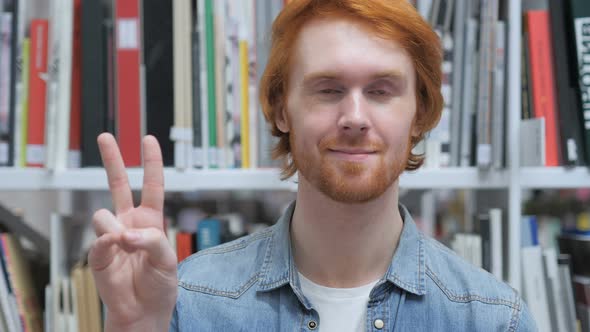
132 262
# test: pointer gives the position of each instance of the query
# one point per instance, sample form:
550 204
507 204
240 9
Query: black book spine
94 96
568 99
15 47
159 74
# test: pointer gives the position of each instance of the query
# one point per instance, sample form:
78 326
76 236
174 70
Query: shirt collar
407 269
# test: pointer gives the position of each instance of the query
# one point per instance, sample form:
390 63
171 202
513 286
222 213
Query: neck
344 245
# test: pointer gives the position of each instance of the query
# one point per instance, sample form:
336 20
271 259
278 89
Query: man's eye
378 92
330 91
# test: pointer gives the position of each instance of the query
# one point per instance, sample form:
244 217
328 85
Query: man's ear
282 120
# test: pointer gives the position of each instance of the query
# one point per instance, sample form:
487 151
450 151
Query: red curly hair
395 20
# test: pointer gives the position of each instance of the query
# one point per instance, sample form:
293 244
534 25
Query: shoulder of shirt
227 270
461 281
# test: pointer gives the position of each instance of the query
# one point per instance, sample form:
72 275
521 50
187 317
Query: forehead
347 47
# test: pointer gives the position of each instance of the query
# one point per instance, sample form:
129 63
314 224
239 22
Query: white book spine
252 86
535 289
64 83
498 102
467 102
568 301
555 291
496 243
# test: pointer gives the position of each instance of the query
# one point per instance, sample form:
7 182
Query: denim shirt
252 284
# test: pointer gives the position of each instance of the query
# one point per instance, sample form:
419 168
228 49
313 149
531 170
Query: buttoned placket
383 307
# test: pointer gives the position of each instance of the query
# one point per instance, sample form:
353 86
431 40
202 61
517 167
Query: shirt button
378 324
312 325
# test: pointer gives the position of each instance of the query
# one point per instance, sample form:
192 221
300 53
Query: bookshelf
514 178
234 179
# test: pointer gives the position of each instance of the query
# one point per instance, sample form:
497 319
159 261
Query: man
350 88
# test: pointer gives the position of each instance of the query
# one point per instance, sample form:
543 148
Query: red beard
350 181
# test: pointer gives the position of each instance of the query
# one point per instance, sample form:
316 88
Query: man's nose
354 117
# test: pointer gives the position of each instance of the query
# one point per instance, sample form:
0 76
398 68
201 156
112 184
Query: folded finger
104 222
103 251
155 243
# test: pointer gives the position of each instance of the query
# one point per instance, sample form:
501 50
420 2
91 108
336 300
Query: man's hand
132 262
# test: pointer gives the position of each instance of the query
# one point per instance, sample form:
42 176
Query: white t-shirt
340 309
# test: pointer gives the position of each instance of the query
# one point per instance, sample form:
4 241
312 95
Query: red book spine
128 80
543 81
37 93
184 245
76 101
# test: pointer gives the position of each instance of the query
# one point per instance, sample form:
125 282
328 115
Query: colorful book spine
23 94
211 79
35 155
244 88
74 155
543 88
128 80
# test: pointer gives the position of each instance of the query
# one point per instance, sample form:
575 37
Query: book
579 20
567 297
219 17
487 50
9 318
201 28
209 38
182 102
128 85
19 273
554 291
38 93
490 230
197 144
6 115
543 86
23 105
498 121
59 83
208 233
459 27
532 142
94 82
244 88
184 245
157 59
468 101
534 286
568 97
74 153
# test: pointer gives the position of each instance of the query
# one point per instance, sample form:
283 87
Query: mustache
334 143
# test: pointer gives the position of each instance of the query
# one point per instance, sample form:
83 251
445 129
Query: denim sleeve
526 321
174 321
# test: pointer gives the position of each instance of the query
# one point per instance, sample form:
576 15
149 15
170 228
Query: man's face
351 105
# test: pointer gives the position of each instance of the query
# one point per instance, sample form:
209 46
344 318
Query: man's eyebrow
320 76
311 78
393 75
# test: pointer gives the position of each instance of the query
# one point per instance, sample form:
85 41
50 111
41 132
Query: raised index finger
152 194
113 163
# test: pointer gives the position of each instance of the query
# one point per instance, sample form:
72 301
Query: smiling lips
352 154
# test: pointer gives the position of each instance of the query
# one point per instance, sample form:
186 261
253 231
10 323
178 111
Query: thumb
155 243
